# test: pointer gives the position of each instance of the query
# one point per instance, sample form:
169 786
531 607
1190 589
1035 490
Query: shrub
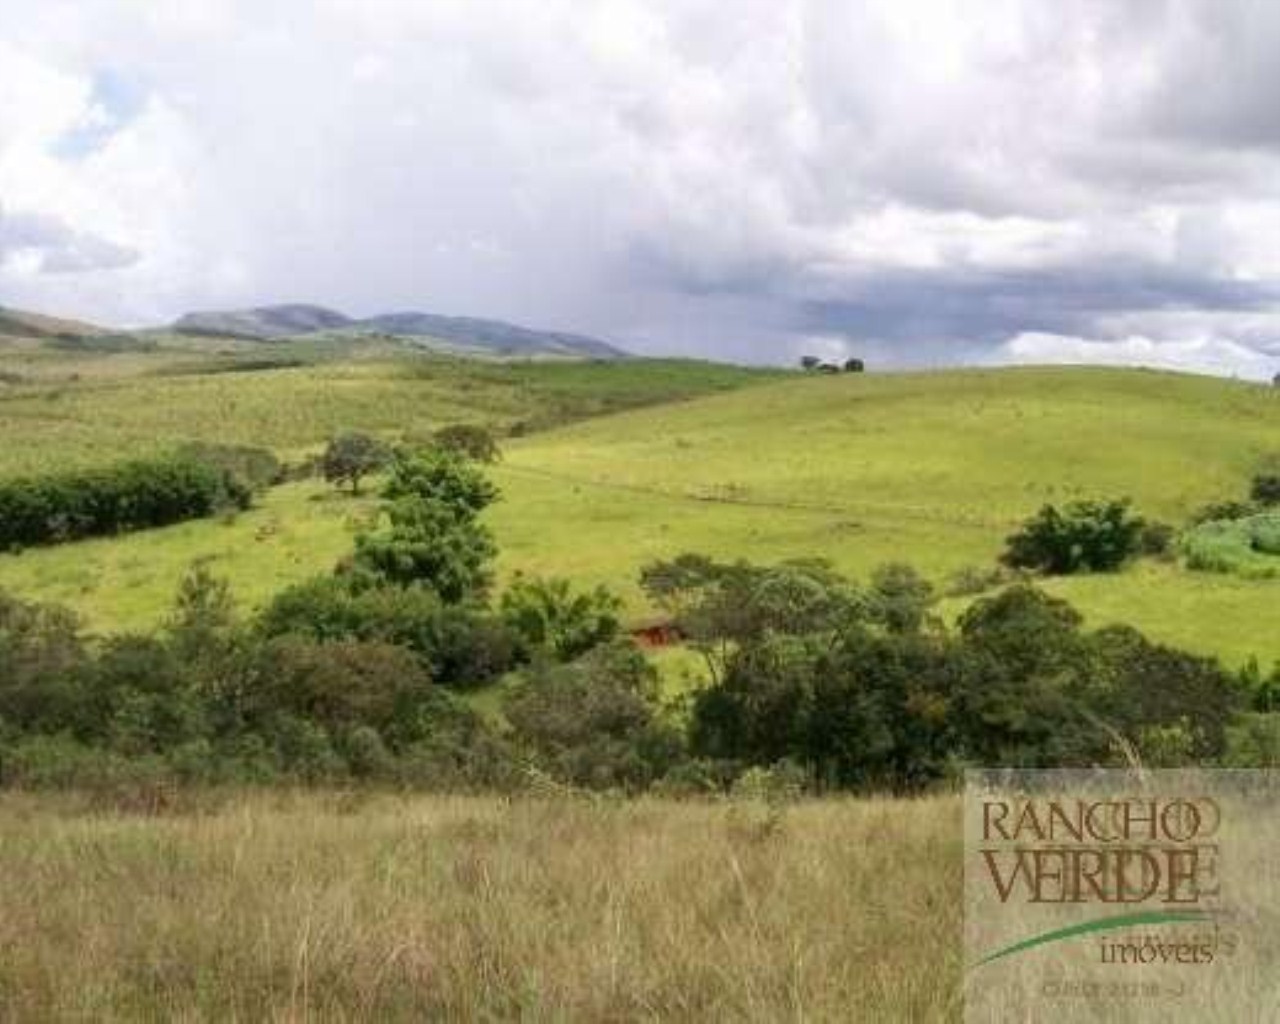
549 617
1222 511
468 440
899 598
1247 547
128 496
1096 536
246 467
594 722
1265 489
1157 540
458 646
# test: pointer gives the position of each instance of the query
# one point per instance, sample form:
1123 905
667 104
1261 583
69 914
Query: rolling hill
928 468
18 323
273 323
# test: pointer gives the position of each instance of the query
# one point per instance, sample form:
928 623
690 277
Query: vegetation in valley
937 469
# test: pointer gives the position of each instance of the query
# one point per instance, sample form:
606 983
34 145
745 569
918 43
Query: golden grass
292 906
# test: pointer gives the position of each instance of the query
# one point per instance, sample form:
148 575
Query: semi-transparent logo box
1122 896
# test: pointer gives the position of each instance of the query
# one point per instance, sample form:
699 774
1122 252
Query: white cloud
1198 355
901 177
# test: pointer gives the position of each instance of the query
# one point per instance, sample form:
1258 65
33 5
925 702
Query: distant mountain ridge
275 323
264 323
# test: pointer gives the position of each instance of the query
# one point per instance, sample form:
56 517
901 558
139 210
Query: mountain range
276 323
281 324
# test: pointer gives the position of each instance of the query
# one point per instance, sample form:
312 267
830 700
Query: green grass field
929 468
93 413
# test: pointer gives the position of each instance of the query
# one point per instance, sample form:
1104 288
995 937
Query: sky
917 184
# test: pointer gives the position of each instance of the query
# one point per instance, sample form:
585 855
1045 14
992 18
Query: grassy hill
291 397
929 468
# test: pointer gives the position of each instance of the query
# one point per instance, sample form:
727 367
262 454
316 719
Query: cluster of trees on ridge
364 673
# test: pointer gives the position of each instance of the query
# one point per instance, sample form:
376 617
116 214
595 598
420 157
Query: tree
595 722
427 542
468 440
549 616
809 362
899 598
854 366
351 457
1097 536
440 476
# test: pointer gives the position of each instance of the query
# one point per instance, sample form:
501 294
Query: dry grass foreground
295 906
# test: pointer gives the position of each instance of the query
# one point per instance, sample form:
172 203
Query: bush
1157 540
594 722
1095 536
128 496
1222 511
246 466
467 440
549 617
1248 547
458 646
1265 489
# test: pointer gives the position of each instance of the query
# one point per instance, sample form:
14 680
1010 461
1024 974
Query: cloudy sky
920 183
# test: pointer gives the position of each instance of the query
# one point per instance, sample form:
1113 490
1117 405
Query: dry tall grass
333 907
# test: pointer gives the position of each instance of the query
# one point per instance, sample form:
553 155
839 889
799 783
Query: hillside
263 323
94 417
18 323
273 323
930 468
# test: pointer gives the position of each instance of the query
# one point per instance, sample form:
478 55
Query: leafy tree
468 440
427 542
458 645
854 366
1097 536
350 457
443 477
899 598
809 362
550 617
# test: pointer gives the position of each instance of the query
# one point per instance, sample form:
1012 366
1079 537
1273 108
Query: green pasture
933 469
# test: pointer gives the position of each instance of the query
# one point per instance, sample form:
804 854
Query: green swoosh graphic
1101 924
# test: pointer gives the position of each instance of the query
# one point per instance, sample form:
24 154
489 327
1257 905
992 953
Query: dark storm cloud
930 179
987 306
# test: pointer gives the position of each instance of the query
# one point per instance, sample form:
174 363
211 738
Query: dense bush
457 645
595 722
1094 536
1248 547
469 440
116 499
1265 489
867 701
549 617
250 468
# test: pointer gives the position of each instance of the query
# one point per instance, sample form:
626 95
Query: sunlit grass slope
100 417
931 468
